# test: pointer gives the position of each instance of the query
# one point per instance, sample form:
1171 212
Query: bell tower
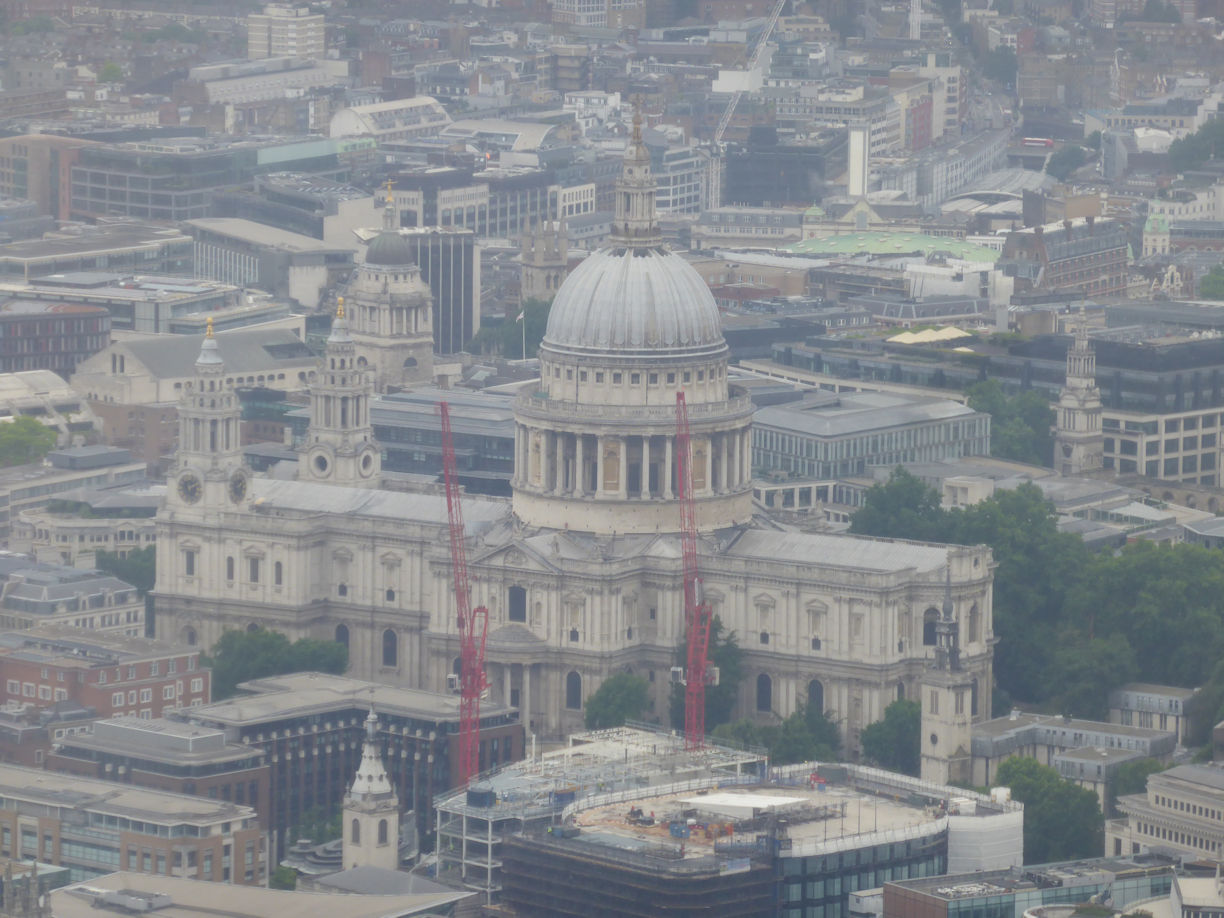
1079 444
371 810
947 703
208 467
340 447
545 262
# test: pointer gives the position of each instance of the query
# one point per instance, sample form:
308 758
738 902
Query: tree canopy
1193 150
622 697
1000 65
1073 624
25 440
243 655
139 568
1065 161
507 338
1020 425
1211 285
806 736
1062 821
893 742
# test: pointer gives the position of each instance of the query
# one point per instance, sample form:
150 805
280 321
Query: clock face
190 488
237 487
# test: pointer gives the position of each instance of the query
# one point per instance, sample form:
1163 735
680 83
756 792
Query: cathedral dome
390 249
631 300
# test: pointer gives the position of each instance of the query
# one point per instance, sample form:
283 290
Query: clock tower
340 447
208 469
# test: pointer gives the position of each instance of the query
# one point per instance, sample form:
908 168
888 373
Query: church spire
635 224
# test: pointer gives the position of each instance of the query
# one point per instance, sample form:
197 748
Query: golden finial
339 307
390 199
208 332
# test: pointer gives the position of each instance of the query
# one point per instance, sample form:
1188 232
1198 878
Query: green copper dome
390 249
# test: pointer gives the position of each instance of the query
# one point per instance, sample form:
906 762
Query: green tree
1093 140
902 507
1211 286
283 878
110 73
1065 161
893 742
1193 150
243 655
1020 425
507 338
805 736
622 697
318 824
1131 778
1000 65
725 653
139 568
24 440
1062 821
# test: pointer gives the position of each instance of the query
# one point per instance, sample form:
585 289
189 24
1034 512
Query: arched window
975 624
518 604
929 618
973 698
252 628
342 635
189 637
390 654
900 691
278 574
816 696
229 568
764 693
355 832
382 831
573 692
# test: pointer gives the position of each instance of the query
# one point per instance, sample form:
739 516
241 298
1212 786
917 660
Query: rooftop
886 243
64 645
191 898
260 234
849 414
106 237
303 694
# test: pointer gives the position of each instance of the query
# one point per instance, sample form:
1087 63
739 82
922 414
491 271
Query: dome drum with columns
630 327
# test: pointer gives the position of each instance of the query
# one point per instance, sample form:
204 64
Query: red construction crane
473 623
696 609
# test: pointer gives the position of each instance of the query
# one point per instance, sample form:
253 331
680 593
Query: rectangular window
146 695
167 693
14 687
197 685
934 702
154 669
189 563
253 569
117 700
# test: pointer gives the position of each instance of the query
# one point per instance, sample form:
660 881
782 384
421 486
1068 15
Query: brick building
1085 256
113 674
50 336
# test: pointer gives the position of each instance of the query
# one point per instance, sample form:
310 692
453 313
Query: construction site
629 822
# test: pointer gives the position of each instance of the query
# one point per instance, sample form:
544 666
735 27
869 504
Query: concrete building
300 202
1180 815
712 831
33 594
840 435
312 729
96 827
284 30
1156 707
84 521
400 119
128 247
29 487
38 167
581 570
123 892
43 395
449 259
1019 890
111 673
167 755
249 254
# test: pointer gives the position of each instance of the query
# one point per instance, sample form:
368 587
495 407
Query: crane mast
696 609
729 111
473 624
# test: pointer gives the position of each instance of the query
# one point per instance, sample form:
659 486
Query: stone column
525 708
560 460
599 465
746 445
733 455
623 484
506 683
579 471
722 461
646 468
668 462
518 454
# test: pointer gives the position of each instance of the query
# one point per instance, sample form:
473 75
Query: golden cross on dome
390 183
208 331
339 307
